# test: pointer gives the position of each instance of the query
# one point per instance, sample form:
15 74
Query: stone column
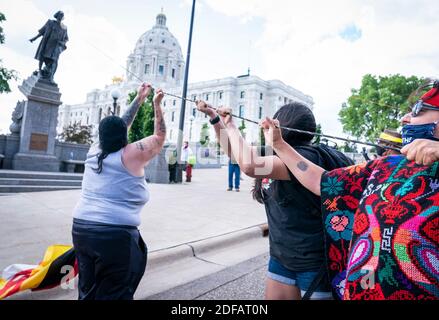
38 129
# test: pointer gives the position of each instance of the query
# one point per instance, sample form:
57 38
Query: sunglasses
418 106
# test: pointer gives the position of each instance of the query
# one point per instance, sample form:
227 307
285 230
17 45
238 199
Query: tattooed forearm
302 166
159 126
162 126
140 146
130 113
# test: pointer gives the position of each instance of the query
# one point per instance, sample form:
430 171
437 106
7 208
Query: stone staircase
13 181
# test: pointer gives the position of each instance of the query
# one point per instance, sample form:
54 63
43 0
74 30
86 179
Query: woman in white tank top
111 253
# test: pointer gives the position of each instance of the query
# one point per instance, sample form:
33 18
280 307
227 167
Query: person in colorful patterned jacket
381 217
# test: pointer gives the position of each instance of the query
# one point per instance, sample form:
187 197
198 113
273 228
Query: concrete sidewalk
191 230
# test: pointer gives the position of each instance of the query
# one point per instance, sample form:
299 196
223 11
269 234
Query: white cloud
301 44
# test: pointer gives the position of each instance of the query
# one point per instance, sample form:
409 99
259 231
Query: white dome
157 56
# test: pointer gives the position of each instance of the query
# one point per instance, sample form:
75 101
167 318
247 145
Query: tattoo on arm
302 166
162 126
130 113
140 146
160 122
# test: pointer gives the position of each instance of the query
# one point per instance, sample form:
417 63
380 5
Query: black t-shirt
294 214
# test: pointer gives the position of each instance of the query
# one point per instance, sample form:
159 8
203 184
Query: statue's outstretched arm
40 32
35 38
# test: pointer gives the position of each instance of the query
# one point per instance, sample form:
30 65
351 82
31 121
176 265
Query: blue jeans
234 169
302 280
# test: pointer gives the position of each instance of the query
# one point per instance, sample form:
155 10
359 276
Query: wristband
214 120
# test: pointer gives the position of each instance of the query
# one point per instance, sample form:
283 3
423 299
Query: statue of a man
54 40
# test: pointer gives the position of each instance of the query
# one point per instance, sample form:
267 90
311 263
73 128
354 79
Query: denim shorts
302 280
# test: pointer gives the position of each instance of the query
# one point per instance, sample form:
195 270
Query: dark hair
298 116
293 115
257 191
112 137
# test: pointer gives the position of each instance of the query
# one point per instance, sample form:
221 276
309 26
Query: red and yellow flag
58 261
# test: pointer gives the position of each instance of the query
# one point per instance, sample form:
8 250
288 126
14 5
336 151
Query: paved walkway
192 214
243 281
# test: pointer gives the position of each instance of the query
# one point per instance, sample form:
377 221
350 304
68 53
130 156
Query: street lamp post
191 119
115 93
183 101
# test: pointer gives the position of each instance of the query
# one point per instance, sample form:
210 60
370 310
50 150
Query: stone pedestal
38 128
157 170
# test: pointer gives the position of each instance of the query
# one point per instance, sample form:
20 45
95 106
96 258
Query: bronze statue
54 40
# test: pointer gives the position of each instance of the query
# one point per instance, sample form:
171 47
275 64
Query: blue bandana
411 132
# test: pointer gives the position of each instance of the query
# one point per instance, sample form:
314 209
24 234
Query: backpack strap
315 283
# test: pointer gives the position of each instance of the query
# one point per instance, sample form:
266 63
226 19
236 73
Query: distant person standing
186 153
234 170
172 166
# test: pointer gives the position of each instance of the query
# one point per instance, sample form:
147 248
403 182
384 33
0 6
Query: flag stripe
47 274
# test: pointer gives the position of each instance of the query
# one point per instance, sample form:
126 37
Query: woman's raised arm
141 151
129 115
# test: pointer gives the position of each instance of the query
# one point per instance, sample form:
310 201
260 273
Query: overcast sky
322 48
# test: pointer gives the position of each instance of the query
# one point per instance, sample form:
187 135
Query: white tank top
114 196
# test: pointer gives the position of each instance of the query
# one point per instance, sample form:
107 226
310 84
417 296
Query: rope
249 120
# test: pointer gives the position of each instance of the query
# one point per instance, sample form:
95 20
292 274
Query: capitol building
157 59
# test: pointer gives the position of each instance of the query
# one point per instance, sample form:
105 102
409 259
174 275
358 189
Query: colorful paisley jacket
382 230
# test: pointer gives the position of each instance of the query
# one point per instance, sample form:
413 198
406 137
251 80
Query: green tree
204 135
77 133
377 105
143 124
5 74
242 128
